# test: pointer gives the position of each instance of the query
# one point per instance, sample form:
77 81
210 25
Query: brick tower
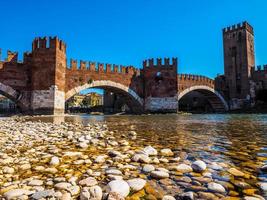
239 58
48 75
160 85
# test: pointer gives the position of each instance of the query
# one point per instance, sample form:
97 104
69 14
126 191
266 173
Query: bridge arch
12 94
136 100
215 98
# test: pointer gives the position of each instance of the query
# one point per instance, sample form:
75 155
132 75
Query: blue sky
129 31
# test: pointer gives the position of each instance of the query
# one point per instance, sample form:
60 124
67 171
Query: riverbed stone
62 186
119 186
148 168
215 187
90 181
166 152
16 193
136 184
96 192
159 174
36 182
168 197
54 160
184 168
150 151
236 172
199 166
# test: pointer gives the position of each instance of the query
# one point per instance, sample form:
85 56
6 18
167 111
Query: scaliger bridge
42 82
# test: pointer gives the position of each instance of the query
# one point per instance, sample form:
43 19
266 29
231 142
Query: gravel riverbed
74 161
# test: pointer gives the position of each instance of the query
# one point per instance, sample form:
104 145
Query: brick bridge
43 82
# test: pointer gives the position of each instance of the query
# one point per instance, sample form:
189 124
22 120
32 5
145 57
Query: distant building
87 100
6 104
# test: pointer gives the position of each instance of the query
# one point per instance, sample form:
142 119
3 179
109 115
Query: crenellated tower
48 65
160 83
239 59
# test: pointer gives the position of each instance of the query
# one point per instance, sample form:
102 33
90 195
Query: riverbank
75 161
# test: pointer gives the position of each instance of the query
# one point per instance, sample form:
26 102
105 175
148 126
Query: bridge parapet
188 80
102 67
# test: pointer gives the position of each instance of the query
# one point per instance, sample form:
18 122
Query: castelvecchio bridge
43 82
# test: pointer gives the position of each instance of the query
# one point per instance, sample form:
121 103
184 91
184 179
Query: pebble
90 181
119 186
150 151
136 184
236 172
166 152
159 174
85 194
199 166
43 194
36 183
148 168
263 186
62 186
167 197
184 168
96 192
16 193
54 161
215 187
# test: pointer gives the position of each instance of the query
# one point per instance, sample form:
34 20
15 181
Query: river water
238 140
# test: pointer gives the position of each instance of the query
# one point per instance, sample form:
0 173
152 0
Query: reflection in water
214 137
238 140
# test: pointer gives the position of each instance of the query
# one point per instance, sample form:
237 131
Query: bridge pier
50 101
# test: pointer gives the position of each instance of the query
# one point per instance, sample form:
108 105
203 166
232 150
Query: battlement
237 27
259 68
101 67
48 43
158 62
12 56
186 77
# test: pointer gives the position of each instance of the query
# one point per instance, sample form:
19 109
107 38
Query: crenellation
159 61
27 57
166 62
151 62
73 64
108 68
83 65
123 69
115 68
92 66
238 27
100 67
12 56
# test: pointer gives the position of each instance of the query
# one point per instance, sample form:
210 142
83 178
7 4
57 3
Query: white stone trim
106 83
204 87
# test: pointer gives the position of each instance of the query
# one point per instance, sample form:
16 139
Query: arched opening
201 99
8 100
116 97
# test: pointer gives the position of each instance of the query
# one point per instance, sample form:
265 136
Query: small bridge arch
12 94
216 100
136 101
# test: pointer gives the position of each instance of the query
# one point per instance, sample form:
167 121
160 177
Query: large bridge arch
136 100
215 98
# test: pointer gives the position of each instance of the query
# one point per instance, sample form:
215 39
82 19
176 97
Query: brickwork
239 58
241 80
42 82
